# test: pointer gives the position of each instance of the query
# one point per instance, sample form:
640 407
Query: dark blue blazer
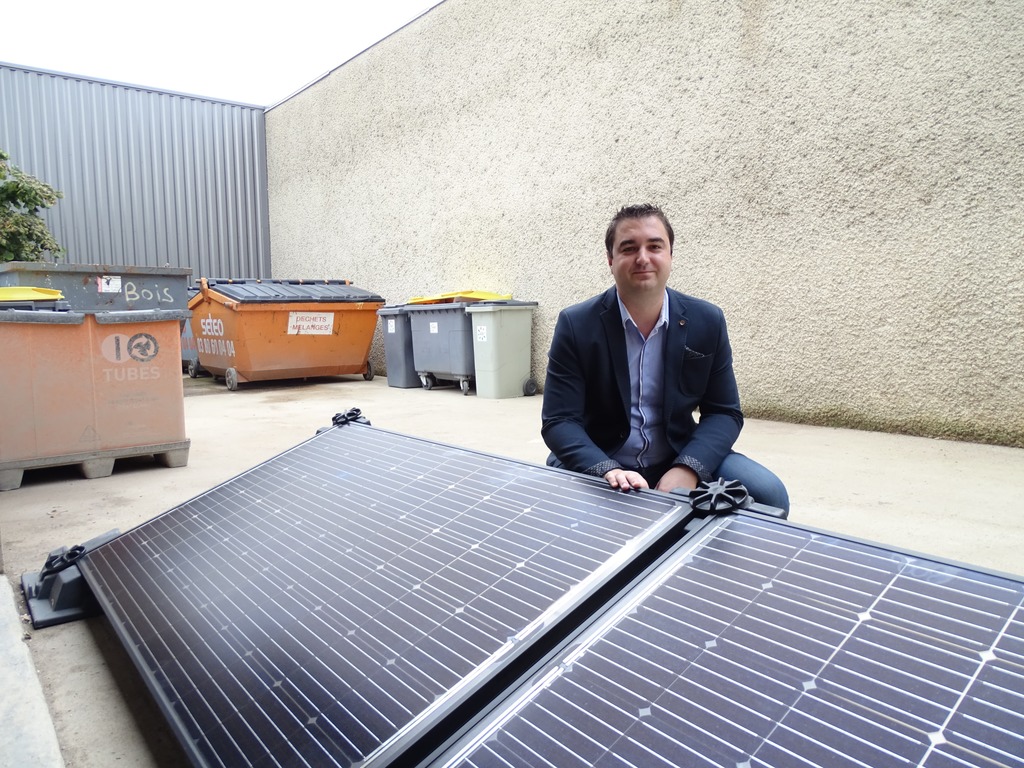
585 415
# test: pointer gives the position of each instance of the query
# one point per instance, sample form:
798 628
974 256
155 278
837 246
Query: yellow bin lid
25 293
447 298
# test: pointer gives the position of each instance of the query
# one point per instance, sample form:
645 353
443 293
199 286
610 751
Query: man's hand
677 477
625 480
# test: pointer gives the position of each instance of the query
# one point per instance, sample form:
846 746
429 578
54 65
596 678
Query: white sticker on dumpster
433 326
481 333
391 325
311 323
108 283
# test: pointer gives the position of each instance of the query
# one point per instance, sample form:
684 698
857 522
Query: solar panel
338 602
756 643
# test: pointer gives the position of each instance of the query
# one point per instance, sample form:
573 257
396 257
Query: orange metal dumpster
84 388
257 330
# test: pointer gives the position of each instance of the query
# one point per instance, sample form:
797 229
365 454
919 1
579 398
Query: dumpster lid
26 293
485 306
28 298
43 267
457 296
446 307
284 291
392 309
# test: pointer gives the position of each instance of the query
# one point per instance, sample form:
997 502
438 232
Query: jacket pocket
696 373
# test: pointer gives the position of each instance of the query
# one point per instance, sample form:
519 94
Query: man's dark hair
641 211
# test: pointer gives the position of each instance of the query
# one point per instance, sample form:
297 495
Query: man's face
641 257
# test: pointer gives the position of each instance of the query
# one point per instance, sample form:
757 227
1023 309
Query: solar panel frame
857 679
154 583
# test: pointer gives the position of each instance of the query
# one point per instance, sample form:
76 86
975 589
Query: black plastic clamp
719 497
352 414
60 559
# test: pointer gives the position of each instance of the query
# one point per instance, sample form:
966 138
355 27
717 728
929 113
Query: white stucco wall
846 179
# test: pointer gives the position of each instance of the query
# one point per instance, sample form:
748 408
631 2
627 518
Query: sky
254 53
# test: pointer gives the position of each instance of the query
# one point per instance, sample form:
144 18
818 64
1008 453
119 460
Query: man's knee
761 483
774 495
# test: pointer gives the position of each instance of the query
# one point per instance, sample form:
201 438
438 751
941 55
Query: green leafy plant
24 235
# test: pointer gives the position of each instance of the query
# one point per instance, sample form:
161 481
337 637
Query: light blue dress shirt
646 445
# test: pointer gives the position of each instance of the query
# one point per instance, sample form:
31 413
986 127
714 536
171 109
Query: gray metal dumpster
94 288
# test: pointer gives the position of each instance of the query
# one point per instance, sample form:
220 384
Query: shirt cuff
600 470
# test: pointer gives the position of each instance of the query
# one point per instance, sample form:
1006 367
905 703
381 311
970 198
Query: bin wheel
369 371
231 379
464 385
193 369
428 380
530 387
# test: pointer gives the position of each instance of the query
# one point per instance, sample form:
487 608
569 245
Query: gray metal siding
150 178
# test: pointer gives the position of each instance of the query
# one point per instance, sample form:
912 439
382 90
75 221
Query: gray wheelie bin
501 348
398 355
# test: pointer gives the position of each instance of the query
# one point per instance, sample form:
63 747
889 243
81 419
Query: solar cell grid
762 644
307 612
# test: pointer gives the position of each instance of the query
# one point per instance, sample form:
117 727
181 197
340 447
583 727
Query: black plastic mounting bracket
721 496
352 414
58 592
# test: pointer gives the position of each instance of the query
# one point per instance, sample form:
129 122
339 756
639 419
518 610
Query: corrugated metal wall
150 178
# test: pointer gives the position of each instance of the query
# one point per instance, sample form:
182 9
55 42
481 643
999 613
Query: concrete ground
69 695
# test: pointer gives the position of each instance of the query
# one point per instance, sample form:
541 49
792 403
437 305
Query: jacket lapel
612 321
675 347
